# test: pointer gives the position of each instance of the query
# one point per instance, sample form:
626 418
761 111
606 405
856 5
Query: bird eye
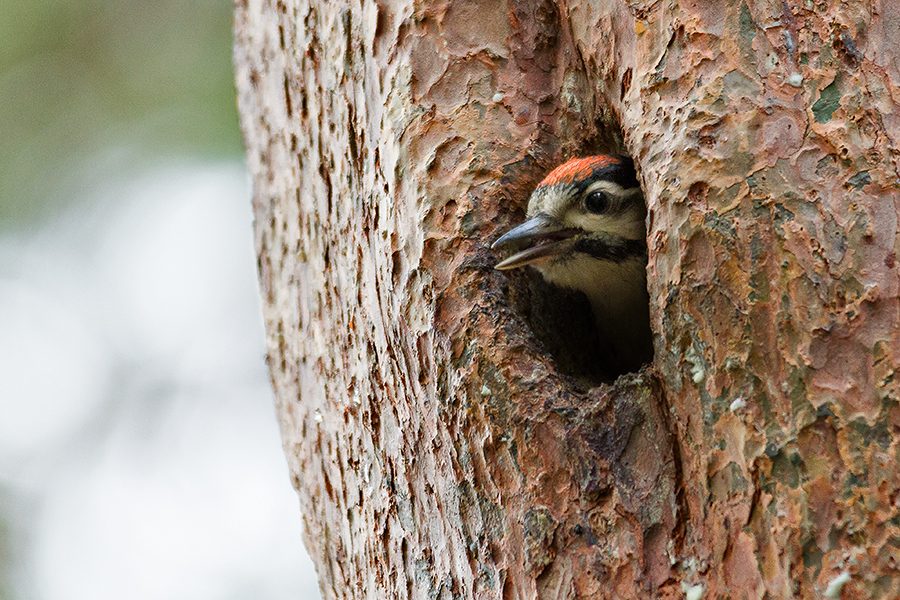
597 202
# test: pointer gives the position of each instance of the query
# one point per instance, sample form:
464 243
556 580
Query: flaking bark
438 447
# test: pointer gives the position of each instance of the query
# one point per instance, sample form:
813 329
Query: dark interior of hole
562 321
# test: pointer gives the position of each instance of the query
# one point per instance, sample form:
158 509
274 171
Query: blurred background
139 452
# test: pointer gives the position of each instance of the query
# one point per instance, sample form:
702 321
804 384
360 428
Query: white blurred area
140 457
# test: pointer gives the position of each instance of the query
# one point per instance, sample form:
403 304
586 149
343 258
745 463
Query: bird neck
617 292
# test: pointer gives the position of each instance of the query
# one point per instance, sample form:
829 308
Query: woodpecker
585 231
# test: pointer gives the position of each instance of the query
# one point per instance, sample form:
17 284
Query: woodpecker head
585 209
585 231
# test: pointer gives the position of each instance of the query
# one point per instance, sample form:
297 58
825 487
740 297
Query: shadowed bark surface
442 441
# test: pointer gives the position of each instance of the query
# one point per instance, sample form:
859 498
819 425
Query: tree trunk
439 445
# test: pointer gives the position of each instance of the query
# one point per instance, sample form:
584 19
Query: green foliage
81 80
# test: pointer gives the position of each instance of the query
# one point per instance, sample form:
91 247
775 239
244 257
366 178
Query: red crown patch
577 168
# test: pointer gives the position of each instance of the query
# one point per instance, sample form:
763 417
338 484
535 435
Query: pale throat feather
617 293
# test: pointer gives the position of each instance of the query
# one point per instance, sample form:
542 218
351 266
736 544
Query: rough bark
437 447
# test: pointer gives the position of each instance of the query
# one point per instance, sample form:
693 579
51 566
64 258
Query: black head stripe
615 249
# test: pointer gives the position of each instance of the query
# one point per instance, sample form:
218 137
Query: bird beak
543 236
